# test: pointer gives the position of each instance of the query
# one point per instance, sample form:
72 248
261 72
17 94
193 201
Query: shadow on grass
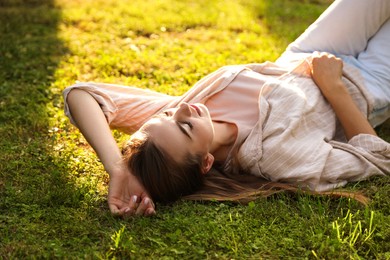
34 193
30 51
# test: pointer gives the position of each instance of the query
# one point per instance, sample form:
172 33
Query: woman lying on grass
245 131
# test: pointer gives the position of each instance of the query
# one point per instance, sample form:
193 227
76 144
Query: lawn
52 186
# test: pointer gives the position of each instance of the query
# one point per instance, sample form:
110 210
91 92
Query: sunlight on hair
139 135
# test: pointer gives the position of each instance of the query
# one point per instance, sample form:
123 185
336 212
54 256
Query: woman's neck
224 138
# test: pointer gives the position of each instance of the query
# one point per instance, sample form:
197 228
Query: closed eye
183 129
189 124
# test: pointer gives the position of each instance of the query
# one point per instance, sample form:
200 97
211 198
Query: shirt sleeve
125 108
362 157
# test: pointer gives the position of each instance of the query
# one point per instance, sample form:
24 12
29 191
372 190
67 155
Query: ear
207 163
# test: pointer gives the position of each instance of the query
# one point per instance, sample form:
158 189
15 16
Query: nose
184 109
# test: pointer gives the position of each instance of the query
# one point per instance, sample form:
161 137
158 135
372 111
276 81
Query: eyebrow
184 131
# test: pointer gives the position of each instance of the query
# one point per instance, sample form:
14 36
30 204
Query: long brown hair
164 178
243 188
167 180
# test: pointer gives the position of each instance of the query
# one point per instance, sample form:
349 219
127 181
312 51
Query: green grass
52 186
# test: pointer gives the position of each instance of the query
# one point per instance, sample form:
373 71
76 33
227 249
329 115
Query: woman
300 121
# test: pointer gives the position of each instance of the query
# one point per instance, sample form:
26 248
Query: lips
197 109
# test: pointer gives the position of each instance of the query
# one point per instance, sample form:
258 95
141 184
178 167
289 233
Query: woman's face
182 130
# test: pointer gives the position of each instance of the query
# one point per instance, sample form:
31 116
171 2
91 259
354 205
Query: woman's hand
126 196
326 72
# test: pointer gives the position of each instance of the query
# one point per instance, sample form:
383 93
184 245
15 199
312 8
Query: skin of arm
126 196
326 72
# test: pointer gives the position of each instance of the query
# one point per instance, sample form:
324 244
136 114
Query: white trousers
358 31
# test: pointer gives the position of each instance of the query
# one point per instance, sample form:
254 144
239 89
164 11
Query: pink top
227 106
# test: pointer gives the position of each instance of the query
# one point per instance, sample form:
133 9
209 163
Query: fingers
324 55
145 208
326 72
326 63
114 209
135 208
116 212
132 206
119 208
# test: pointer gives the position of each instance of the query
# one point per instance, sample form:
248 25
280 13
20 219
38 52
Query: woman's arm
124 189
326 71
